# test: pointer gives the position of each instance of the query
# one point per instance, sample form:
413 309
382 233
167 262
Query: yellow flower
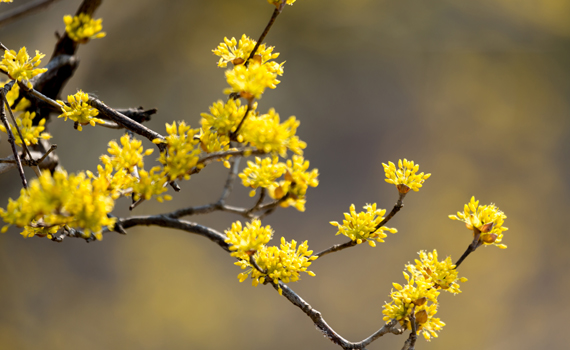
404 177
79 111
250 82
262 173
442 274
280 264
361 227
21 66
128 156
486 220
13 95
5 0
182 154
245 241
237 52
265 132
81 28
30 132
295 184
151 184
59 200
417 297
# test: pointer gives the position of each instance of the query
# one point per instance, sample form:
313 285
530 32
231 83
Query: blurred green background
476 92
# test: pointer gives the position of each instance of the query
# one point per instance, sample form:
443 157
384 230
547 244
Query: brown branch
476 243
322 325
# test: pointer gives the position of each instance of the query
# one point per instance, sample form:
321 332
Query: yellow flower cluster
123 160
182 154
30 133
237 52
265 132
263 173
5 0
442 274
128 156
21 66
13 95
61 199
284 263
419 295
486 220
81 28
250 82
246 241
295 183
79 111
405 177
361 227
220 123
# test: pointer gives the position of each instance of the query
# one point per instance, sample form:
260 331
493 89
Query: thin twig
276 13
476 243
322 325
11 138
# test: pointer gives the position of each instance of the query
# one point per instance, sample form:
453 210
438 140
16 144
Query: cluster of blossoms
85 200
82 28
249 77
20 66
364 226
283 263
52 202
78 110
405 177
31 133
485 221
418 299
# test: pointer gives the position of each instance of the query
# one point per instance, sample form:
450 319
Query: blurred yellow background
476 92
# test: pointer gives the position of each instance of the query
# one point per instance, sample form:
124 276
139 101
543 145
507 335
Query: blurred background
475 92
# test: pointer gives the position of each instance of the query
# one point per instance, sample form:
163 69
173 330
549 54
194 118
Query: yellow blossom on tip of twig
417 298
404 177
361 227
486 220
20 66
237 52
5 0
79 110
442 274
82 27
280 264
245 241
31 133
